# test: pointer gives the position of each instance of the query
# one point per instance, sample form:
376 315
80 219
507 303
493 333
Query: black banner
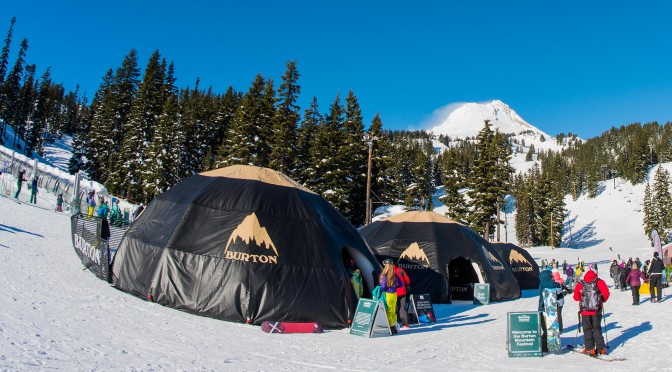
92 249
422 308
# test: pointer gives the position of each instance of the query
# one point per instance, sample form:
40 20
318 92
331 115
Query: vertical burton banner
422 308
481 293
370 319
523 336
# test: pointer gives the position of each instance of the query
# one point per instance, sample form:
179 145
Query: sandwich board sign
523 336
481 293
422 308
370 319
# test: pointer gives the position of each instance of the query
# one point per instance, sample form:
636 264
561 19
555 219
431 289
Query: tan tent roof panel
249 172
419 216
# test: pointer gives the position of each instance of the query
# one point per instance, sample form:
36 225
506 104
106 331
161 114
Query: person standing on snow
59 203
402 314
91 202
389 283
615 273
562 291
591 293
656 278
19 182
33 190
633 280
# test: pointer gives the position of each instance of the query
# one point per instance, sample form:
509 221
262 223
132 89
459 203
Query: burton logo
519 262
416 254
496 264
252 237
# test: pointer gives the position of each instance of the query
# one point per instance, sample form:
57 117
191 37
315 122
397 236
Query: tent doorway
462 274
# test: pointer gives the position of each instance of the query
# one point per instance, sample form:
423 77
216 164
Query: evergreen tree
240 143
26 105
4 61
283 140
11 89
327 177
354 157
4 56
483 186
161 169
649 213
457 208
144 115
662 204
43 116
312 119
107 131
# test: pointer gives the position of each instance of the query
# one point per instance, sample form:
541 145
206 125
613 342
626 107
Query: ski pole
578 329
604 320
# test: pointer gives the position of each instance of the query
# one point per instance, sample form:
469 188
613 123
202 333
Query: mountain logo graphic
414 253
496 264
517 258
248 232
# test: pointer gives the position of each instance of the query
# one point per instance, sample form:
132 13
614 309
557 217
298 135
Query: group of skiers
591 292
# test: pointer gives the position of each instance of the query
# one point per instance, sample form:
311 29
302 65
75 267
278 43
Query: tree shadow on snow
14 230
583 238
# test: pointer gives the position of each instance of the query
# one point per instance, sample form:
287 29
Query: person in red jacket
402 314
591 293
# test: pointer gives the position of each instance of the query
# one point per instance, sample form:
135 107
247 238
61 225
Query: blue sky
564 66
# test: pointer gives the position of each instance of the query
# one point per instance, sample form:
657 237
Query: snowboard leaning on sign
546 282
591 293
552 325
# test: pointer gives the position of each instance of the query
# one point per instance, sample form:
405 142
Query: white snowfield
55 315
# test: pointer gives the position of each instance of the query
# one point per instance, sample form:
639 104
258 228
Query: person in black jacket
656 278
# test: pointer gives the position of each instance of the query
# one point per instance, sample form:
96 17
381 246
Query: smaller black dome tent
523 266
244 244
442 257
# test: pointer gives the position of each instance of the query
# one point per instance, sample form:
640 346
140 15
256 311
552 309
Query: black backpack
591 298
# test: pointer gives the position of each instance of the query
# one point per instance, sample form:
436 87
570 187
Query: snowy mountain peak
466 120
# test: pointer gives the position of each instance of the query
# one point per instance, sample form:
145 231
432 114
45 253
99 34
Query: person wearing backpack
389 283
656 277
402 293
591 293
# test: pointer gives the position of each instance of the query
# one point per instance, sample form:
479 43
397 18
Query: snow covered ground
56 315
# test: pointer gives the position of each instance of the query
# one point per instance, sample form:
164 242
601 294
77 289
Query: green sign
523 336
370 319
481 293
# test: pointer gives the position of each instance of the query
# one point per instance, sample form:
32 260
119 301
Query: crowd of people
97 206
591 292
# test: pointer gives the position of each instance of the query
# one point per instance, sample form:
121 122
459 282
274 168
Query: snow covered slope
56 315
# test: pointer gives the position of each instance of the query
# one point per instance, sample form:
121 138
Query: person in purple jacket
633 280
389 282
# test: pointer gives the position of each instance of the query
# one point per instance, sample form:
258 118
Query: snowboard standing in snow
287 327
552 326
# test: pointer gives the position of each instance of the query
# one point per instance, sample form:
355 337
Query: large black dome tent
443 258
244 244
523 266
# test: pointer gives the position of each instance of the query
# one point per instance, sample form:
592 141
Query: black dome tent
524 268
442 257
244 244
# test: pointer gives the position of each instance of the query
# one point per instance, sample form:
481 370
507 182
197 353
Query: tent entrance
462 274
